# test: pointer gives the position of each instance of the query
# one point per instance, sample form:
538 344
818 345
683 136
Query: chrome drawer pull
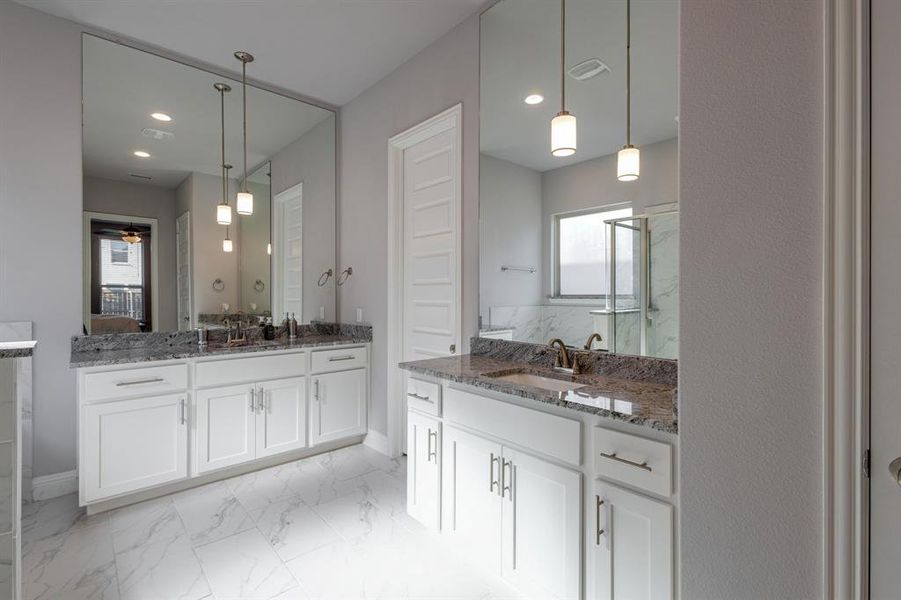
418 397
597 520
253 393
613 456
433 453
140 381
337 358
184 418
507 485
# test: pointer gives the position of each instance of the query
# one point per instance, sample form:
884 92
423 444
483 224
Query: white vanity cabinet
515 513
239 423
424 469
339 400
133 443
150 425
631 541
511 496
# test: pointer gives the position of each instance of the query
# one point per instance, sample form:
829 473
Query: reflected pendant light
227 244
628 160
244 204
563 126
223 210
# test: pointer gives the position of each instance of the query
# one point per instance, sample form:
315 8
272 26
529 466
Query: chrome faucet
594 337
235 336
562 354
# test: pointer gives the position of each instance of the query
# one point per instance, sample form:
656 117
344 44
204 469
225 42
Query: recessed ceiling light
161 117
141 154
534 99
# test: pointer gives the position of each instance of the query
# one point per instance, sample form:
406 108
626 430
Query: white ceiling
326 49
123 86
521 55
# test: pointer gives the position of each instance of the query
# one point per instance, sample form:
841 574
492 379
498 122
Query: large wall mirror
567 250
156 257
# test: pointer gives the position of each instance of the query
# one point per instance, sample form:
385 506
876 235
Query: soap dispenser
292 327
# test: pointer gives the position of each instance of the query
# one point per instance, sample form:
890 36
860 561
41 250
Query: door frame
87 217
452 118
846 300
189 233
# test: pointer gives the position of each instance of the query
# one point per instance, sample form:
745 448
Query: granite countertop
116 356
17 349
634 401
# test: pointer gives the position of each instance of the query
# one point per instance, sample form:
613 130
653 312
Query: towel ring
323 279
218 285
342 278
259 285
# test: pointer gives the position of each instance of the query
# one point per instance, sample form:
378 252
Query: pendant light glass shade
563 134
227 245
244 203
628 164
224 214
269 248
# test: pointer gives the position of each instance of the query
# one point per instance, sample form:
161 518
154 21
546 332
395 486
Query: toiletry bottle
269 329
292 327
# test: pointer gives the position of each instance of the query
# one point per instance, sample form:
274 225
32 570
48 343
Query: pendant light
628 161
563 126
223 210
227 244
244 204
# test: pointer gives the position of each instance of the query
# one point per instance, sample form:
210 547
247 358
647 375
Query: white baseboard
46 487
377 441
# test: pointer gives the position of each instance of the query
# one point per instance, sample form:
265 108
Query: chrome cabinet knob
894 469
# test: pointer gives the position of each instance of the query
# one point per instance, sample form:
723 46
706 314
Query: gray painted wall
751 307
138 200
445 73
311 160
593 183
510 222
40 199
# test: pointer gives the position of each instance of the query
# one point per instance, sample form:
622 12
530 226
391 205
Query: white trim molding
397 144
46 487
846 221
377 441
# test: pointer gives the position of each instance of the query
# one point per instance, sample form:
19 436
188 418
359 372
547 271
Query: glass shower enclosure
643 303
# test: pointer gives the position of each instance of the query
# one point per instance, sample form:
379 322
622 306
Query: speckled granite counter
641 402
123 348
16 349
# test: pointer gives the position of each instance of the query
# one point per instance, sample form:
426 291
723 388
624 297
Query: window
582 241
122 279
118 252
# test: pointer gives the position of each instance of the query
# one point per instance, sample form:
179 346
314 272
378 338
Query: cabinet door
631 537
424 469
128 445
542 526
470 496
281 416
339 405
226 424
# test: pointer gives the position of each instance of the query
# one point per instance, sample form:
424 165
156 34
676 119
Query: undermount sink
539 381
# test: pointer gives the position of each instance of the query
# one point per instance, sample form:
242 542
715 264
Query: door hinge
866 463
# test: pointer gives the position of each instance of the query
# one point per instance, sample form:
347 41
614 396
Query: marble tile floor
333 526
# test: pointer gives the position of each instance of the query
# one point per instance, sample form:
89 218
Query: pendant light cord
244 101
562 55
628 72
222 115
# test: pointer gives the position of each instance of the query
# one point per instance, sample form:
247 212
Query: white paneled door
885 357
424 252
225 427
424 469
288 249
281 416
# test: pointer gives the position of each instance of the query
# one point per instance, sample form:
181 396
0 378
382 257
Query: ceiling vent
144 177
156 134
588 69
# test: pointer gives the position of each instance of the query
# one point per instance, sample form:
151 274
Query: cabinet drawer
325 361
129 383
636 461
424 396
249 369
541 432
